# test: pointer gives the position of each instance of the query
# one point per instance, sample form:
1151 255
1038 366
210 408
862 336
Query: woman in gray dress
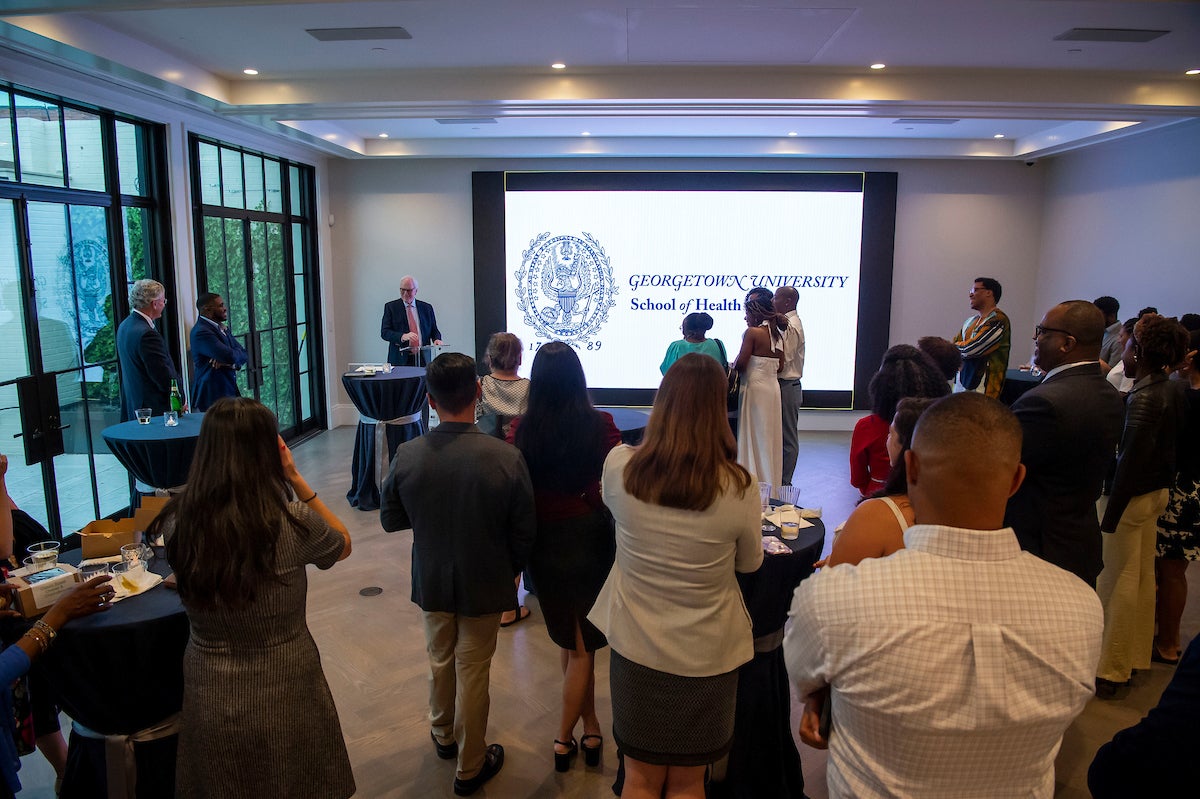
258 719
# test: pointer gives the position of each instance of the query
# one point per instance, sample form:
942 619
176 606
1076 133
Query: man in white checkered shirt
955 664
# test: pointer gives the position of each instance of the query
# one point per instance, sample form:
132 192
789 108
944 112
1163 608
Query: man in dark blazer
146 369
404 343
469 501
1071 424
216 354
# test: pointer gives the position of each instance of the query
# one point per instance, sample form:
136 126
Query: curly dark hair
943 353
908 411
904 372
1161 343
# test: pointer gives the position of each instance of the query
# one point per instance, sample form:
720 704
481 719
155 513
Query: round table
764 760
155 454
390 405
630 421
1016 383
117 673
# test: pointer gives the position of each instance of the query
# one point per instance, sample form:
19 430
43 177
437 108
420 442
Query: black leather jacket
1154 419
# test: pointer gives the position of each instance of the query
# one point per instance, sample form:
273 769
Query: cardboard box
105 537
37 591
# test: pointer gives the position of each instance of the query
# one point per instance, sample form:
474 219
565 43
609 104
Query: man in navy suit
146 369
1071 424
399 317
216 354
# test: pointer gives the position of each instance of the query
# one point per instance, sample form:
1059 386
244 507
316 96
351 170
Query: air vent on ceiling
925 121
1109 35
466 121
357 34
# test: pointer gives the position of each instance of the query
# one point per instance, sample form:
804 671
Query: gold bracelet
50 632
38 638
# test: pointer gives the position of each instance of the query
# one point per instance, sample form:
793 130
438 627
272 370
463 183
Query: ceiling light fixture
793 133
586 133
1192 72
998 136
383 135
250 71
558 65
878 66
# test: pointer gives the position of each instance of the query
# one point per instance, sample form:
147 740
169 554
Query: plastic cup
143 415
44 554
171 418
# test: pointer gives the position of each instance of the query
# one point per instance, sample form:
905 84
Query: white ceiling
647 77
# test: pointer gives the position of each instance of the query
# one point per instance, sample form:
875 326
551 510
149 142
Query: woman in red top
904 372
565 441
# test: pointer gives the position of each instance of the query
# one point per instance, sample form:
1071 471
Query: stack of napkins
786 513
137 581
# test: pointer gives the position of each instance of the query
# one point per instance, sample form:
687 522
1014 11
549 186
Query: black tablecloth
1016 383
764 760
117 673
158 455
631 422
397 394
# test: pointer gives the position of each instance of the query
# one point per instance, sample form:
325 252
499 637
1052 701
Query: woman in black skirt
564 441
687 519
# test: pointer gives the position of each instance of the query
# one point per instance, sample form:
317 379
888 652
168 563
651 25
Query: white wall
956 220
1123 219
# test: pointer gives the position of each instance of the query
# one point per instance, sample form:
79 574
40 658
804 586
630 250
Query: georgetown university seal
565 287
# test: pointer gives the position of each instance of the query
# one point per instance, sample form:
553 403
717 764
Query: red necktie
414 329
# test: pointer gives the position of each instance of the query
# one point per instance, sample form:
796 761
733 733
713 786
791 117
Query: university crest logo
565 287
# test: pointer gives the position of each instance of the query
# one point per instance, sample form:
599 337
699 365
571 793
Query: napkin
778 517
138 581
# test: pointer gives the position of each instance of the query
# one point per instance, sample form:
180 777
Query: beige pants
1126 588
460 662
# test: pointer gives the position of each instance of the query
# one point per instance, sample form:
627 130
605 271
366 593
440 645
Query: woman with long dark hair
257 718
1154 417
565 441
876 527
687 520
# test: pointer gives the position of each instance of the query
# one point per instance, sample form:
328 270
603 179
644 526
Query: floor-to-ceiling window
79 221
255 240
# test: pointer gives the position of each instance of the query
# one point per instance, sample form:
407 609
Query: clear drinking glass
143 415
764 497
44 554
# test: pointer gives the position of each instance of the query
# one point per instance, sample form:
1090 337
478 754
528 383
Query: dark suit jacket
469 501
395 325
1071 425
213 382
146 369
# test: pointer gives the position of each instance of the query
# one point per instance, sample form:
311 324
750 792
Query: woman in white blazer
686 519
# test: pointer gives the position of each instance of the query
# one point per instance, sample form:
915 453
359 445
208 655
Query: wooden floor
374 657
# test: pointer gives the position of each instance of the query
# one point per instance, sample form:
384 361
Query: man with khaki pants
469 501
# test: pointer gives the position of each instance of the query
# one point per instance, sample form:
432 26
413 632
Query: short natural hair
943 353
503 351
451 381
1190 322
688 456
143 292
992 285
1107 305
206 299
1161 342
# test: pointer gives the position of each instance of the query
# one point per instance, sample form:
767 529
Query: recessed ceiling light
250 71
585 133
998 136
793 133
1192 72
558 65
878 66
383 135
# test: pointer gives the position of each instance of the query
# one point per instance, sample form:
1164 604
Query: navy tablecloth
381 397
1016 383
117 673
630 421
158 455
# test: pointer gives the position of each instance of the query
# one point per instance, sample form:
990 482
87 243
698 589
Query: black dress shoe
444 751
493 761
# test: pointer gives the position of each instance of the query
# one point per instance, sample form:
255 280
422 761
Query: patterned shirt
984 342
955 665
502 397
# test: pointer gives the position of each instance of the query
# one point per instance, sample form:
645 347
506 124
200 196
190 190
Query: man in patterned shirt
954 665
984 341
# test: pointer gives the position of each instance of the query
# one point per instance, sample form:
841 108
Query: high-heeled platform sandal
591 754
562 760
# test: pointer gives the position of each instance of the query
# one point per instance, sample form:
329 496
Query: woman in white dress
760 419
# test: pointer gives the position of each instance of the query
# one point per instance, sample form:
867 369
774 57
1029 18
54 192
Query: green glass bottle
176 399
